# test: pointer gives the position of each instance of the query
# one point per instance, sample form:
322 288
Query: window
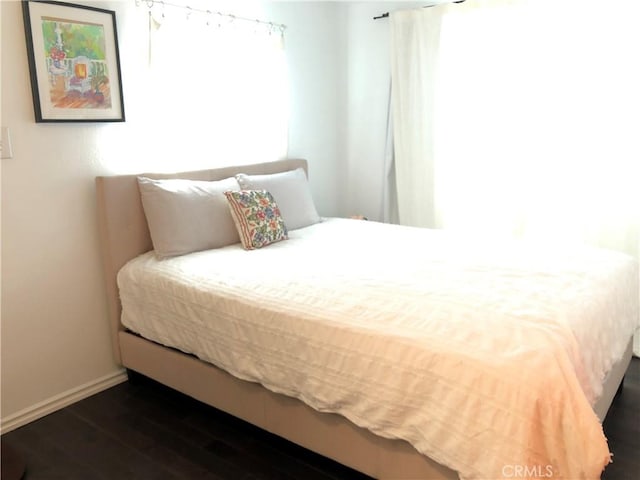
218 85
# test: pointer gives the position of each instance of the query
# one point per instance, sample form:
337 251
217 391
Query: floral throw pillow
257 218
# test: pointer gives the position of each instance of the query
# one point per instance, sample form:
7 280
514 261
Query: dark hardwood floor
622 428
143 430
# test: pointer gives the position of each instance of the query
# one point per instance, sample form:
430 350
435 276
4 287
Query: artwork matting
74 62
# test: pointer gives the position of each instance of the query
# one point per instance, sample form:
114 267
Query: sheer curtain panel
227 81
415 36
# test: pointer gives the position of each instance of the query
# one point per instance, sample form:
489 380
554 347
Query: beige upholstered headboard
124 233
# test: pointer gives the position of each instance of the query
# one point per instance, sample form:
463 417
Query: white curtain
389 208
228 84
414 47
520 117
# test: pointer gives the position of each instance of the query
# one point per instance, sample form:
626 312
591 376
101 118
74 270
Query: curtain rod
386 14
151 3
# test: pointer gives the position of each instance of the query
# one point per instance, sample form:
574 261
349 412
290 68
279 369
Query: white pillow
290 191
187 216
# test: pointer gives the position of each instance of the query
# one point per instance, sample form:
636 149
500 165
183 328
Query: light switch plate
5 144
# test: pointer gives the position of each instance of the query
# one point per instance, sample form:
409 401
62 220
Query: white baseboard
61 400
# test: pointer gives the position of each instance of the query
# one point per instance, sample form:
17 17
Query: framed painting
74 62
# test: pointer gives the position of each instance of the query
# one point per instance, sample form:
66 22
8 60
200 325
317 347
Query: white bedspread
484 359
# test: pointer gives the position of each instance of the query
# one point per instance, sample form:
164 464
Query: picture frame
74 62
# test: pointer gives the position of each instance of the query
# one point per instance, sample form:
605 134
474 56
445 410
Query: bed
362 434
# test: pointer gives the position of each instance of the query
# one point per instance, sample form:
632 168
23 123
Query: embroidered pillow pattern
257 218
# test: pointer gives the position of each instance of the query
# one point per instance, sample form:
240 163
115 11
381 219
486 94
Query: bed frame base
328 434
613 383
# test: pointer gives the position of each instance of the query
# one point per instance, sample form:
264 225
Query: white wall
318 78
55 342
